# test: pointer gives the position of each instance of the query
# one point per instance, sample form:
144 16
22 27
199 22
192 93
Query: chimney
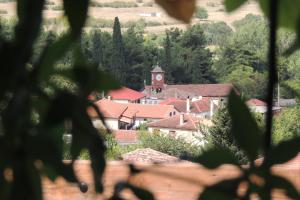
181 119
188 105
211 107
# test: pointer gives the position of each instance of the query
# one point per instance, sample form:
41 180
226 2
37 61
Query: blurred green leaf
35 180
76 12
90 78
97 150
52 54
141 193
232 5
211 194
244 128
179 9
226 189
288 17
282 183
215 157
47 147
283 152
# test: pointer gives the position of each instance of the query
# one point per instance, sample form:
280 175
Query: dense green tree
220 135
287 124
167 64
134 57
201 63
249 83
117 58
216 33
193 37
96 48
169 145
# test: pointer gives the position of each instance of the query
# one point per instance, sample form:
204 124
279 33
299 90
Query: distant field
214 7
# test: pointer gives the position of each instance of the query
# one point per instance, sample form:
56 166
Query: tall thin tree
118 58
168 59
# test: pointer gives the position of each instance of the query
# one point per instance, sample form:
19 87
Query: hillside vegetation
103 12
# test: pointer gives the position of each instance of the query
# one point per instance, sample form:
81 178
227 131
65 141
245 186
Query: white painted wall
120 101
258 109
112 124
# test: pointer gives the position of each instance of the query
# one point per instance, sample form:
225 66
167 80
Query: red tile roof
126 136
149 111
191 90
149 156
198 106
115 110
109 109
168 101
256 102
190 123
126 94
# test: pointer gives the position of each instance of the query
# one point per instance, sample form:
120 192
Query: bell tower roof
157 69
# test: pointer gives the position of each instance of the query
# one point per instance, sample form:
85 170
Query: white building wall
120 101
258 109
112 124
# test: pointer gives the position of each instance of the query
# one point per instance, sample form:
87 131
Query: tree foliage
220 136
286 125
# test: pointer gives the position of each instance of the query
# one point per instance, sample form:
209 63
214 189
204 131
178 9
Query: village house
126 95
129 115
204 107
159 91
258 106
182 126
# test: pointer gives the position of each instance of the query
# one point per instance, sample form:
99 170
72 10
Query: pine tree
201 63
168 59
97 48
118 58
219 135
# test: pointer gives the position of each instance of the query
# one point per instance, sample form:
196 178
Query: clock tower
157 78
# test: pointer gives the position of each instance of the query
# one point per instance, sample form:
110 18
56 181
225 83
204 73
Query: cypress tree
97 48
201 64
118 58
168 59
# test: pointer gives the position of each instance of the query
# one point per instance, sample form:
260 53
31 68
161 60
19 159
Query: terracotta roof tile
256 102
198 106
126 136
115 110
126 94
191 90
190 123
148 156
149 111
109 109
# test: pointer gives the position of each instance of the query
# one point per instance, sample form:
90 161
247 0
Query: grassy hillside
103 12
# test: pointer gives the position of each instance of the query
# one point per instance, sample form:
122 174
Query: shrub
169 145
287 124
201 13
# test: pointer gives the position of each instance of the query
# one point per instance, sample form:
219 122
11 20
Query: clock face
158 77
